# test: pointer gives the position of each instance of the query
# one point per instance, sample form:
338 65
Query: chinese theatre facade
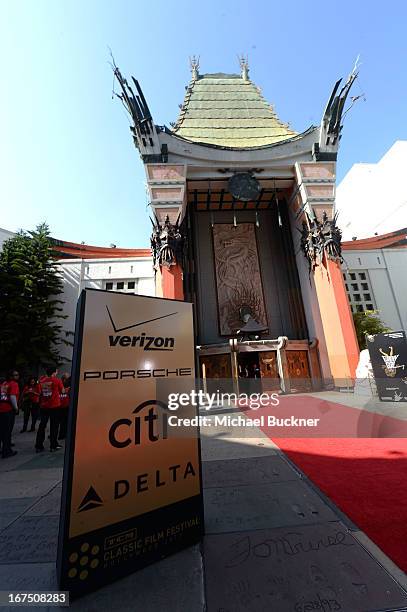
244 228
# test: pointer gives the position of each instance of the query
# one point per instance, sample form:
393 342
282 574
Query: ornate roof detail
144 130
244 67
319 239
167 243
194 62
228 110
332 120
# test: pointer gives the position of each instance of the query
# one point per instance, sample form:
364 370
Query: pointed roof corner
143 128
332 119
228 110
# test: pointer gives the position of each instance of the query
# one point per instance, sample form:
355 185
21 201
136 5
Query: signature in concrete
322 604
291 544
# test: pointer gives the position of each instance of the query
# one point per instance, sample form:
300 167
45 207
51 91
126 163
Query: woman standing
30 403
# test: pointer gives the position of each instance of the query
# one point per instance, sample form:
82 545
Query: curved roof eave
72 250
255 148
395 239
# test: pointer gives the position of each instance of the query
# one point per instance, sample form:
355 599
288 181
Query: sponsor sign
131 489
388 354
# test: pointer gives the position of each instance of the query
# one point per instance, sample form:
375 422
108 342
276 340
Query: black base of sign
111 553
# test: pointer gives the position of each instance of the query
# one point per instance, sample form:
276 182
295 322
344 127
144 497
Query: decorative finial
194 63
244 67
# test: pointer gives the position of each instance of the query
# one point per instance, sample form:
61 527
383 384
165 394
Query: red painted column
346 318
315 197
337 321
172 286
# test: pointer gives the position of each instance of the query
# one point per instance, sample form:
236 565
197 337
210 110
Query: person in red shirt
50 407
9 392
66 381
30 403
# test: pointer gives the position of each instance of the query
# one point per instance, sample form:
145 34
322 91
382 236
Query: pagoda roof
227 110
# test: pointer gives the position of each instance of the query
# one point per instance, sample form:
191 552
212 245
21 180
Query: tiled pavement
272 543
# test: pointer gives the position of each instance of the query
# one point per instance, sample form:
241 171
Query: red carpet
367 480
357 458
333 420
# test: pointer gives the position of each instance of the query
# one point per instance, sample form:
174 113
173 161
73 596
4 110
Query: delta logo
147 343
91 500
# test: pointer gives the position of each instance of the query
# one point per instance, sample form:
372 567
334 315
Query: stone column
166 184
313 213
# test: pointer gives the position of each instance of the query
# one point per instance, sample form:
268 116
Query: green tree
368 323
30 308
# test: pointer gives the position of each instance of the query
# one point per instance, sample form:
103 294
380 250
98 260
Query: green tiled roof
228 111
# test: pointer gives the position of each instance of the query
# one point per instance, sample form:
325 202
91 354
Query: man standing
9 392
50 389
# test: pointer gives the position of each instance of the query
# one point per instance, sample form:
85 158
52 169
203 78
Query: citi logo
147 343
124 432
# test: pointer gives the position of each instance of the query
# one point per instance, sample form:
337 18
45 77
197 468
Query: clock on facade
243 186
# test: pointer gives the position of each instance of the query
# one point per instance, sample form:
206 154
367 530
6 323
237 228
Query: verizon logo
147 343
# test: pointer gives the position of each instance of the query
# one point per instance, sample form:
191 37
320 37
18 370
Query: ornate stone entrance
278 365
244 227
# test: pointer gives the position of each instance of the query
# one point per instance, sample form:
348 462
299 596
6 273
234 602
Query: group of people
46 399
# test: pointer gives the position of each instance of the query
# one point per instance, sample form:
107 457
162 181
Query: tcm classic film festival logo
390 368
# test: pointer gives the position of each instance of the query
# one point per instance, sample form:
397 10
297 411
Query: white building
372 198
5 235
83 266
375 274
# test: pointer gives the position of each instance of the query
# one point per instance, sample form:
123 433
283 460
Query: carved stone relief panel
238 277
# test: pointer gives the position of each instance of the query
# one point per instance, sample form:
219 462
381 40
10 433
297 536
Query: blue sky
66 155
